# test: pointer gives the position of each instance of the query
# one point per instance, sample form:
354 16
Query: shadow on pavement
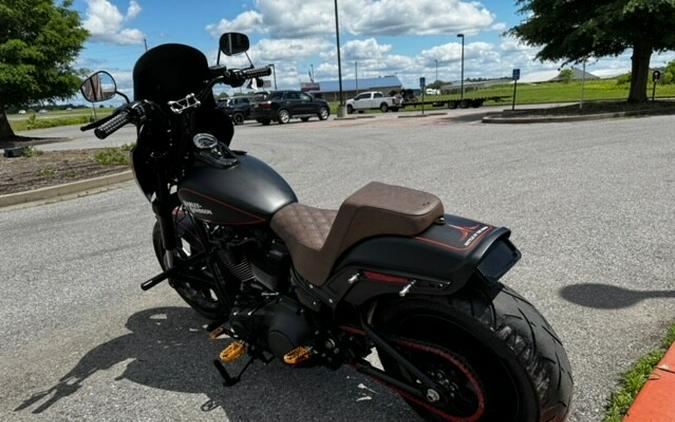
169 350
605 296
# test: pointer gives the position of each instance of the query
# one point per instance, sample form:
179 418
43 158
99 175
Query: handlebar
115 123
256 73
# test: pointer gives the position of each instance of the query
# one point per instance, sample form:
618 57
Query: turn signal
298 355
233 352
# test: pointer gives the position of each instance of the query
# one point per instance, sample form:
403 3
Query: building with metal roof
330 90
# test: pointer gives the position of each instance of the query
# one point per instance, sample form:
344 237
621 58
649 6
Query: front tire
238 118
498 347
283 116
384 107
208 302
324 113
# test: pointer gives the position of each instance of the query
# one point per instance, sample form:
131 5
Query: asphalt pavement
590 205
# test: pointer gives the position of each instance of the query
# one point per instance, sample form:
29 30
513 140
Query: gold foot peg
298 355
233 352
217 333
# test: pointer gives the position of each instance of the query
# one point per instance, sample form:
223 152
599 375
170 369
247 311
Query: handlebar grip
256 73
111 126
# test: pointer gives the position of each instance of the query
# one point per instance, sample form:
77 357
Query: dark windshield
170 72
276 96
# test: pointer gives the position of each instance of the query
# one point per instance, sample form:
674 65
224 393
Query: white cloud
301 18
133 10
106 23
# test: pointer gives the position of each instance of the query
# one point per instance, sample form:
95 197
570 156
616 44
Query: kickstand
228 379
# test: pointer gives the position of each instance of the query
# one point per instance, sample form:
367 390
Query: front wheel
492 353
324 113
207 301
283 116
384 107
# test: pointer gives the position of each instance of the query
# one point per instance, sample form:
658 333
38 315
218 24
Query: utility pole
341 110
436 70
462 80
311 66
146 44
356 75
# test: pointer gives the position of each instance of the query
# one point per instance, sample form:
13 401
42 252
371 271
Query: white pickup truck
373 100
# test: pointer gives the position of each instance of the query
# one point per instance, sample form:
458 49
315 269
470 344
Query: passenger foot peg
298 356
233 352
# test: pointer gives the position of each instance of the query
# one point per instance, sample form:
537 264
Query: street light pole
356 75
436 70
337 36
274 72
462 80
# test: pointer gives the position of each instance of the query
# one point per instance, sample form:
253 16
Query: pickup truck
373 100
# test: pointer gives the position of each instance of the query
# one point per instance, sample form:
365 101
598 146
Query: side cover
440 260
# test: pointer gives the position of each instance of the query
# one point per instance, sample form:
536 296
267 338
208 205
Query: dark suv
239 108
282 106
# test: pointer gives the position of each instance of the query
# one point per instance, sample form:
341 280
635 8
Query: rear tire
496 337
324 112
350 109
384 107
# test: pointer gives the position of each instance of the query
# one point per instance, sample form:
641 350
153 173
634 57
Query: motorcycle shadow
605 296
168 349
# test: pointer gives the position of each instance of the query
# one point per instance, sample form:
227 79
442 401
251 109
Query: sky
406 38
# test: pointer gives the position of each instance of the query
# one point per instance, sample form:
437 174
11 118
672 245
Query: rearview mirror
233 43
99 87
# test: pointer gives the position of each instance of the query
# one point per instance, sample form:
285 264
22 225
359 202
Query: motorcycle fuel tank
246 194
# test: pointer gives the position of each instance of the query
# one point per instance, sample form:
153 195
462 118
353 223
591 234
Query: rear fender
441 261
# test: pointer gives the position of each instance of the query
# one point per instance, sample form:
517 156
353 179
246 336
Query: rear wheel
492 353
384 107
207 301
350 109
283 116
324 113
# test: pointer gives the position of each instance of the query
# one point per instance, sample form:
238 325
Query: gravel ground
590 206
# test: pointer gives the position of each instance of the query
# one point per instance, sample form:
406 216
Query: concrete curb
79 188
655 401
559 119
367 116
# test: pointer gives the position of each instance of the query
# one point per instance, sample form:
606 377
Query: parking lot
590 205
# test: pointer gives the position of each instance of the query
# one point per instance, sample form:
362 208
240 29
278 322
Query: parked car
239 108
282 106
22 111
373 100
432 91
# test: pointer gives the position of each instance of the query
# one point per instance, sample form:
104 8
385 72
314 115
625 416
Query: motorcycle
389 272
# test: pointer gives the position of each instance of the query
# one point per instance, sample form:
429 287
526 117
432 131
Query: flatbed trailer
455 103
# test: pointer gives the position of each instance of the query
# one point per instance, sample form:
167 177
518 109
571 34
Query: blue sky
387 37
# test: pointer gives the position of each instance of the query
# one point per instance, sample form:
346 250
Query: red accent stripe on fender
385 278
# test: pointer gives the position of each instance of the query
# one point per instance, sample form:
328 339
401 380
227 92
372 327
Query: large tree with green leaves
572 30
39 41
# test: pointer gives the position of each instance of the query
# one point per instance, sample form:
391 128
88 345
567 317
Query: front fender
441 260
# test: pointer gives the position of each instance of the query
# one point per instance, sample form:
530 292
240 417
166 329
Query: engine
264 313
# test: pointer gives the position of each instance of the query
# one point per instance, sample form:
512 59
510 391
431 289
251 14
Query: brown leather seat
317 237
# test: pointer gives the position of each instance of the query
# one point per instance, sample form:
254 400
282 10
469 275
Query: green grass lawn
552 92
55 118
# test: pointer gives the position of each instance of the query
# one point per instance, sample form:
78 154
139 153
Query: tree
573 30
39 40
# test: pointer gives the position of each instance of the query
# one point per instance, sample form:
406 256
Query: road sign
656 76
516 74
423 83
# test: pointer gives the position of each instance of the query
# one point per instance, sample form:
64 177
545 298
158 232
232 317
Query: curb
367 116
560 119
79 188
655 402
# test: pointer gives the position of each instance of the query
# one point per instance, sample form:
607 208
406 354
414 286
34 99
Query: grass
65 118
31 151
552 92
633 380
114 156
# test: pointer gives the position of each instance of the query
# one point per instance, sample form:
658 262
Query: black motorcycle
389 271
